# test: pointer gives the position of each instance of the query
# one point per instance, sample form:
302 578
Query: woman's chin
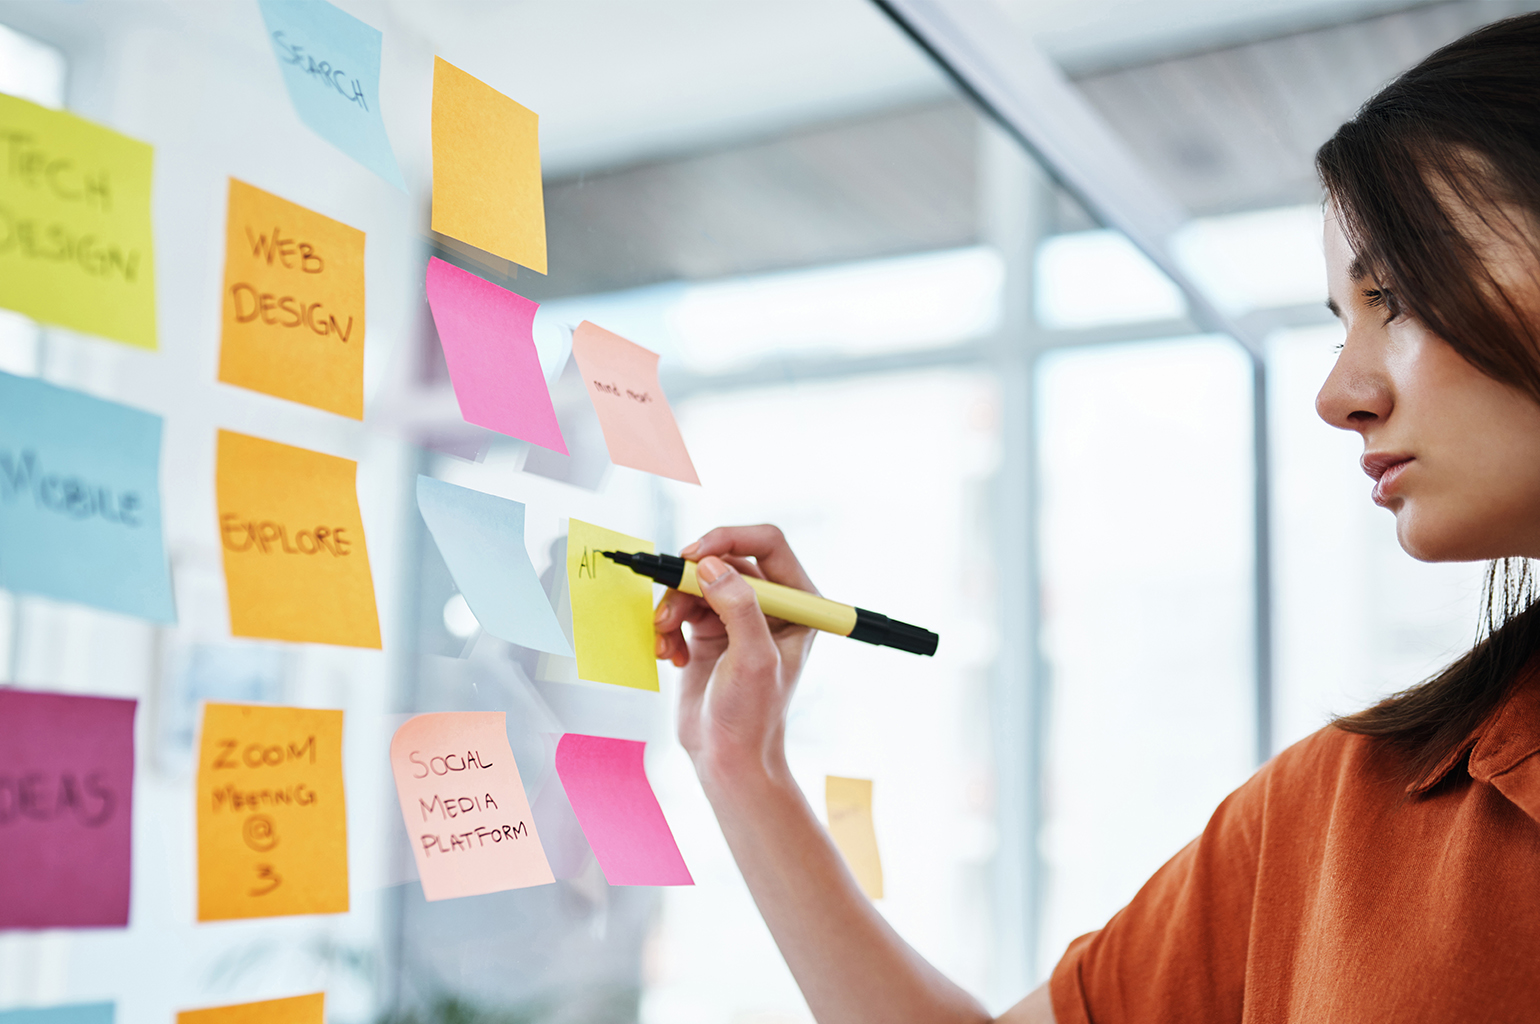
1433 538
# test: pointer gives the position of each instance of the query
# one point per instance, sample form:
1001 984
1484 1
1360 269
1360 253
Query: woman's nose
1356 393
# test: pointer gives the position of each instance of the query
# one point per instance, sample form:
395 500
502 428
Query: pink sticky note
607 785
464 805
639 427
66 806
486 334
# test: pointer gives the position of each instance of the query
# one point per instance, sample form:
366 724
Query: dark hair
1457 137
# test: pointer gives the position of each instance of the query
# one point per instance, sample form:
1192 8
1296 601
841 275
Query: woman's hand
740 667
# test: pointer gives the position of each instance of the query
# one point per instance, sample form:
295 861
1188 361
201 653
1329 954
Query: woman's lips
1386 470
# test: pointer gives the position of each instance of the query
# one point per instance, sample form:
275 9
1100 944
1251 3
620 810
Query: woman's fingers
733 600
765 544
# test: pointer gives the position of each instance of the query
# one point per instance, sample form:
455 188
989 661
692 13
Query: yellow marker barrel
788 603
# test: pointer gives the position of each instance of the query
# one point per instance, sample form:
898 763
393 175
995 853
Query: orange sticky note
464 805
296 567
486 168
639 427
293 312
849 803
309 1009
272 821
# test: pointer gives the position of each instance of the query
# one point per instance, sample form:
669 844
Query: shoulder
1324 773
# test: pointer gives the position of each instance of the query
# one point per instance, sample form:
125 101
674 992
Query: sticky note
73 1013
607 784
611 609
292 320
486 169
272 821
309 1009
80 500
296 567
66 808
489 347
849 804
75 240
639 427
481 537
331 67
464 805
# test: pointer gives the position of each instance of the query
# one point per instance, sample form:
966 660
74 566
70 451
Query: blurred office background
884 327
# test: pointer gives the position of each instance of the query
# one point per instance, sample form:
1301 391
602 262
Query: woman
1386 868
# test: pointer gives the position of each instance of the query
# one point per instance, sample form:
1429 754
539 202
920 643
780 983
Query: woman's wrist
736 773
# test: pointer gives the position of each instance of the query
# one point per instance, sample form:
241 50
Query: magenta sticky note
607 786
66 806
486 332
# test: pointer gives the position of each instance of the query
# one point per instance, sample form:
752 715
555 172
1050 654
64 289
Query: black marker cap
878 629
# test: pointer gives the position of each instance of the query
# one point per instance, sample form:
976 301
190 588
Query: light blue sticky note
80 500
331 64
75 1013
481 537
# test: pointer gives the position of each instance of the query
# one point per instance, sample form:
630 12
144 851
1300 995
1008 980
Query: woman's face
1455 455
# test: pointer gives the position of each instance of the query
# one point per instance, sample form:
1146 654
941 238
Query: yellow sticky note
849 803
486 168
75 242
296 567
272 823
309 1009
293 314
611 609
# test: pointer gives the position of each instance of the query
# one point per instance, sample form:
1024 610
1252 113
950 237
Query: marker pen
790 604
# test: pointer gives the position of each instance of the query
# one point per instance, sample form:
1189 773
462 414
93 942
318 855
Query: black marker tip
623 557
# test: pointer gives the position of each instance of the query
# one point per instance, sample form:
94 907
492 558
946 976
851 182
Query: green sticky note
75 236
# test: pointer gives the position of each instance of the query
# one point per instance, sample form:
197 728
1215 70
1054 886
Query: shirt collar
1502 747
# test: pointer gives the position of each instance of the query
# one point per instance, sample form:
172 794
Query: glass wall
956 394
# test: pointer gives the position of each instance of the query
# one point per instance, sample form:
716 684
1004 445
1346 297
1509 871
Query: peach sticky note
309 1009
295 563
76 247
486 168
611 609
490 351
606 783
293 307
849 804
272 822
639 427
464 805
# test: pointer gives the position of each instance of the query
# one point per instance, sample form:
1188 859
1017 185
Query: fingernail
689 549
661 612
660 646
711 569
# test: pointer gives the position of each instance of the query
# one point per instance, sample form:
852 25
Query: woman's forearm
851 965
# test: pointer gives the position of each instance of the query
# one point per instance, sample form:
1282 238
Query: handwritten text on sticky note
309 1009
611 609
606 782
75 242
464 805
481 537
331 67
639 427
293 314
66 807
272 820
296 567
80 500
486 168
493 364
849 804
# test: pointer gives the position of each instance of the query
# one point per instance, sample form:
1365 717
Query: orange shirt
1324 890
